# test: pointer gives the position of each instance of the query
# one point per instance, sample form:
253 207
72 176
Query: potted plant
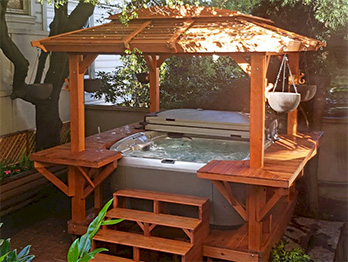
92 85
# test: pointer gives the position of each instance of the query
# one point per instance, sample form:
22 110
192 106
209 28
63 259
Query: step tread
109 258
162 196
140 241
152 218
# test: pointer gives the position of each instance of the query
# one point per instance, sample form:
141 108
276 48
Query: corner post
77 111
154 83
257 109
294 63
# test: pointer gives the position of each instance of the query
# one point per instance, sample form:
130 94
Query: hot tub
178 143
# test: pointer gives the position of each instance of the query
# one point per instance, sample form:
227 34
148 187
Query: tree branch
79 16
11 51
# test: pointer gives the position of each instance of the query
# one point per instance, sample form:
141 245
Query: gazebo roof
182 30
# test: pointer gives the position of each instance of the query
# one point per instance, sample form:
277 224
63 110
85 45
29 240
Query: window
18 7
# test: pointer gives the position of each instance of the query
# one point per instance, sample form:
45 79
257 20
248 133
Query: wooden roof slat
183 30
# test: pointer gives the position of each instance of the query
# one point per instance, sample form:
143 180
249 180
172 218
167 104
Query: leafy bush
79 249
6 255
121 86
188 81
280 254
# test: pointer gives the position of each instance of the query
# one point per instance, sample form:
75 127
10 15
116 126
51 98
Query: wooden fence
14 146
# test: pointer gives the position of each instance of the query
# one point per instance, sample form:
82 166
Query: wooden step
150 243
151 218
161 196
109 258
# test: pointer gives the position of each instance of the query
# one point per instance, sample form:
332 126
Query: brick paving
43 225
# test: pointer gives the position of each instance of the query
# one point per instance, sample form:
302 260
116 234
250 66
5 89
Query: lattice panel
13 146
65 133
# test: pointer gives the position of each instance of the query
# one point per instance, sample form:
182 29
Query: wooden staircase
144 235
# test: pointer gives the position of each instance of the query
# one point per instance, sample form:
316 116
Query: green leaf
5 247
12 256
25 251
3 257
84 245
93 228
73 253
111 222
91 254
27 258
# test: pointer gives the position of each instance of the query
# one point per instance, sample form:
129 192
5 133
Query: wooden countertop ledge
283 162
96 153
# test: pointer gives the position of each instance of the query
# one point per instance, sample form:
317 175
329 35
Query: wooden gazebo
164 32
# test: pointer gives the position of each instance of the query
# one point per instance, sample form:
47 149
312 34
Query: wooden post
152 62
257 109
256 199
77 111
78 204
294 63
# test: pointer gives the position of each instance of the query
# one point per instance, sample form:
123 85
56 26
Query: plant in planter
13 169
20 184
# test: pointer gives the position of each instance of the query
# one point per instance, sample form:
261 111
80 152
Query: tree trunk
11 51
48 122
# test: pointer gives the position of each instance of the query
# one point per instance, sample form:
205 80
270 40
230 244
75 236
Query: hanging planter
284 102
143 77
92 85
307 92
40 91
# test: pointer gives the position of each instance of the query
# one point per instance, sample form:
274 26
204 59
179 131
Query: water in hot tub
198 150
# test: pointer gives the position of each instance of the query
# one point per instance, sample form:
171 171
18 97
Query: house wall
17 115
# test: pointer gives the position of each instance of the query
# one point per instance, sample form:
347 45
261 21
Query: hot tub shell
168 175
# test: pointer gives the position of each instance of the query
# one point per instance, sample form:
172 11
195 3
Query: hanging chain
284 64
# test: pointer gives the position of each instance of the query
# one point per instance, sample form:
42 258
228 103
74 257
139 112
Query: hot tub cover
198 121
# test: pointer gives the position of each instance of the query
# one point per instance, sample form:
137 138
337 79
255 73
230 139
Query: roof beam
242 62
178 33
86 62
127 39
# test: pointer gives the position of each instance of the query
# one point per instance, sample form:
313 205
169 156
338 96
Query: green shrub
6 255
280 254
